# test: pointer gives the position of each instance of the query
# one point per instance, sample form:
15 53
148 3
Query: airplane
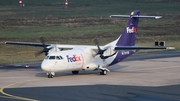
78 58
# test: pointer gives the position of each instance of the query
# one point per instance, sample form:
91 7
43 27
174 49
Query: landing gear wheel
75 72
50 76
103 72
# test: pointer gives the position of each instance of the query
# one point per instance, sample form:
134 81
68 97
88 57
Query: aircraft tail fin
128 36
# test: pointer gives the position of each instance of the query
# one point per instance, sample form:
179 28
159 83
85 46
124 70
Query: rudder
128 37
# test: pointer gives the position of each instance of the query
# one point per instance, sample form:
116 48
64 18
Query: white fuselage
67 61
80 59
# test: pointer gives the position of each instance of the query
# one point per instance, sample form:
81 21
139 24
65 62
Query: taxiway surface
141 77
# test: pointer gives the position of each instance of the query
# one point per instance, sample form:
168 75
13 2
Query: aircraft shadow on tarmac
115 68
99 93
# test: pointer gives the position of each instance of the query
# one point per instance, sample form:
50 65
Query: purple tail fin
128 37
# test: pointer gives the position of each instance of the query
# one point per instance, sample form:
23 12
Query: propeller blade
46 50
38 53
42 41
96 43
100 51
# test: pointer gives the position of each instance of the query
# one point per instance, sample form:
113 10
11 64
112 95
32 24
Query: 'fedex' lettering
132 30
73 58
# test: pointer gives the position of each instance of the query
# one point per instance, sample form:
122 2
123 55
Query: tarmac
153 76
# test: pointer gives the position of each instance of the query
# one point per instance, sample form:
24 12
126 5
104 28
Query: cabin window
54 57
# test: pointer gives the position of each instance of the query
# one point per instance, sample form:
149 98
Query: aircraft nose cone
45 67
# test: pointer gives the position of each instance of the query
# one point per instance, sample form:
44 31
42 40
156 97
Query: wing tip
158 17
6 42
170 48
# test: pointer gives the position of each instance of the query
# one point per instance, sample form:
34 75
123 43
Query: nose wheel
50 75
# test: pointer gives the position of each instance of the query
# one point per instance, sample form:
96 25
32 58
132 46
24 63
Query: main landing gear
103 72
75 72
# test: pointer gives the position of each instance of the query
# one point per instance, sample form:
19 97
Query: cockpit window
47 57
59 57
52 58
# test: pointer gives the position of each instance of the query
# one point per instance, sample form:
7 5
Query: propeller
100 51
45 50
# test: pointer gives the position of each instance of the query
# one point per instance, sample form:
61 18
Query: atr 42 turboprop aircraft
91 58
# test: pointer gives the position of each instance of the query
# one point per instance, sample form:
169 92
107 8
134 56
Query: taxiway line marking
17 97
8 97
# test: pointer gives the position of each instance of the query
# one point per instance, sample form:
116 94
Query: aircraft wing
27 44
63 46
141 47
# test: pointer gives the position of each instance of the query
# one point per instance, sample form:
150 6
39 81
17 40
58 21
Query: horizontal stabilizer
154 17
119 16
140 47
134 16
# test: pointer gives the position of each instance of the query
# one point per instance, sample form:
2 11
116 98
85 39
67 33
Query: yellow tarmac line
8 97
155 68
17 97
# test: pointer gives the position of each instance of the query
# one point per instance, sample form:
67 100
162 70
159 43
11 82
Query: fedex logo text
73 58
132 30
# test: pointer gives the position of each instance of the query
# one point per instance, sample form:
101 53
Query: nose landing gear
50 74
